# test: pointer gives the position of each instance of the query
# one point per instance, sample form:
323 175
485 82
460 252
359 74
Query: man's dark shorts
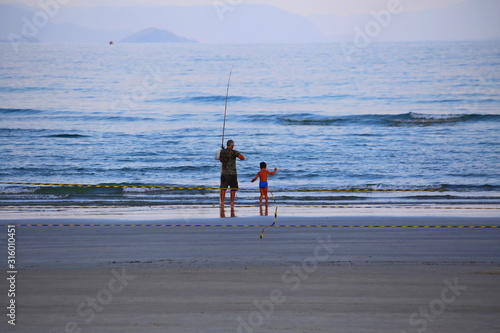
228 180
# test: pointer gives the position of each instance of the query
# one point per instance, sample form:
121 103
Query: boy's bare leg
261 196
267 197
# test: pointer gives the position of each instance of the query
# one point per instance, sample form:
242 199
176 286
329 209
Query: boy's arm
255 178
273 172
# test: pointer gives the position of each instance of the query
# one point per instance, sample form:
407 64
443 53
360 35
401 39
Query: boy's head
263 165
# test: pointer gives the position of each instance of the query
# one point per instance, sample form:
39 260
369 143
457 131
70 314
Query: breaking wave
405 119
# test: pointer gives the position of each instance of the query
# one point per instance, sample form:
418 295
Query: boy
262 174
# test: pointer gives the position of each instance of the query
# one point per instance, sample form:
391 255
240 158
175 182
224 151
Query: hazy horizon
235 21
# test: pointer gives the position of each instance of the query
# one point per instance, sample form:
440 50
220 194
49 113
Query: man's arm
241 157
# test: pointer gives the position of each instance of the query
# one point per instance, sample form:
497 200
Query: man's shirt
228 159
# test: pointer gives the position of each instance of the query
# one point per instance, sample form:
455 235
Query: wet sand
223 278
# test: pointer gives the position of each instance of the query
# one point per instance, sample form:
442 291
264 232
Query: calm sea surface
396 116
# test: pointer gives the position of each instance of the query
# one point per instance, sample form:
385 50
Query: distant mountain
154 35
11 23
19 39
19 23
237 22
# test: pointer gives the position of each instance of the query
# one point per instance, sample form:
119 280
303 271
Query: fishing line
275 216
225 107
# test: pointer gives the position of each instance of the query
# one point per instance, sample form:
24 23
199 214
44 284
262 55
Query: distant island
154 35
20 39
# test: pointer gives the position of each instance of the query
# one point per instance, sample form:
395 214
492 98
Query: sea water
422 116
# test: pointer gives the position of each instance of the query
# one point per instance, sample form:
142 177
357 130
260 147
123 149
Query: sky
301 7
322 20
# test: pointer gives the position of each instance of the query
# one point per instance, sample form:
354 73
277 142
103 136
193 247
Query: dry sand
227 279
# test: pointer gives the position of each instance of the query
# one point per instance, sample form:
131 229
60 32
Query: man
229 177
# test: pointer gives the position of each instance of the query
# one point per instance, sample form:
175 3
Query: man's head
230 143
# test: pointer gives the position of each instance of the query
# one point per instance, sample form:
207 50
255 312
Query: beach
316 270
385 211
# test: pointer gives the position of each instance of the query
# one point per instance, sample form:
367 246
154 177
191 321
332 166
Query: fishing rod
275 217
225 107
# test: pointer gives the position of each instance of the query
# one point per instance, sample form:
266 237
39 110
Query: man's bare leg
222 197
233 196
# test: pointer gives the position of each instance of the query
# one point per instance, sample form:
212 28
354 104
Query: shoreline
214 214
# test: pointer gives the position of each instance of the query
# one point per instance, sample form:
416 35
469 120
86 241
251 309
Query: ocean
423 117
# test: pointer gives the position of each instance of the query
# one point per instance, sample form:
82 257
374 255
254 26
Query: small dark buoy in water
111 42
